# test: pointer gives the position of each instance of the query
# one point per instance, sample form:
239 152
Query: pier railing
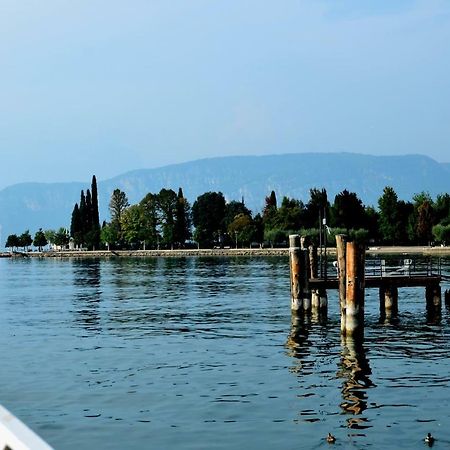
408 267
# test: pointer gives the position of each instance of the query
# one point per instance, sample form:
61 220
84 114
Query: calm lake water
196 353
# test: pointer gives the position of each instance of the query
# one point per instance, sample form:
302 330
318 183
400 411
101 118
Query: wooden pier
351 277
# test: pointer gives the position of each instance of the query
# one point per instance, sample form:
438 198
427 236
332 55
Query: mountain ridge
49 205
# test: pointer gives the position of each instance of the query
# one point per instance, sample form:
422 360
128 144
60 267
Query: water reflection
87 293
298 342
433 315
354 370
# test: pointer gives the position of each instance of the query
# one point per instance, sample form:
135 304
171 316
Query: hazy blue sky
105 86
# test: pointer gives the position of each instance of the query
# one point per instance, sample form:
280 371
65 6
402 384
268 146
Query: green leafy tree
243 229
348 211
149 205
424 227
234 209
318 207
167 206
275 236
133 225
50 236
371 224
442 209
406 222
117 205
39 239
61 238
441 233
208 214
423 217
290 214
109 235
270 211
25 240
12 242
259 229
389 223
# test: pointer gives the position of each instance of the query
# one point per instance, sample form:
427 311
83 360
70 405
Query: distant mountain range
33 205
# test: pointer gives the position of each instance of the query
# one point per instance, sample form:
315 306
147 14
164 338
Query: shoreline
229 252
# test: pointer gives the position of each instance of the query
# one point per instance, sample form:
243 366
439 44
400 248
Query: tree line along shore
167 221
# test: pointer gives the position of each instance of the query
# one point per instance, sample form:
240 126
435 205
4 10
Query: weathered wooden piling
388 301
433 296
315 298
354 294
323 300
300 271
341 241
295 267
305 271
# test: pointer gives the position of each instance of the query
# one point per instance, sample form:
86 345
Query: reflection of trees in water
145 291
87 280
174 276
355 370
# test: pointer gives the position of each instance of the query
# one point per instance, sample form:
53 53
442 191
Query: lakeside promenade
227 252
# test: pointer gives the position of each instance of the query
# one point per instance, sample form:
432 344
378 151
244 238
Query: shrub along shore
227 252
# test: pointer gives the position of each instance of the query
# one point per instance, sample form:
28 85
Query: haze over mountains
34 205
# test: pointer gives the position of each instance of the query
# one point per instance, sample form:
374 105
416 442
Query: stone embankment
157 253
227 252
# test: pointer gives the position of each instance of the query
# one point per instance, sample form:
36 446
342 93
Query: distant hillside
34 205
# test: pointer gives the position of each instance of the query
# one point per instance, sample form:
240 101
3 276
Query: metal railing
409 267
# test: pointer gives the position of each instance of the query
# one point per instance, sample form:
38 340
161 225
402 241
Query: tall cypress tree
83 212
95 214
182 220
85 225
75 225
88 235
88 217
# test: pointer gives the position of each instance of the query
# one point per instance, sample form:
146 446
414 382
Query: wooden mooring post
315 298
341 242
433 297
299 269
354 292
319 299
388 301
351 285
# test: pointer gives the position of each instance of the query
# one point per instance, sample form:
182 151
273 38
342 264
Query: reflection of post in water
354 370
87 292
433 300
298 341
